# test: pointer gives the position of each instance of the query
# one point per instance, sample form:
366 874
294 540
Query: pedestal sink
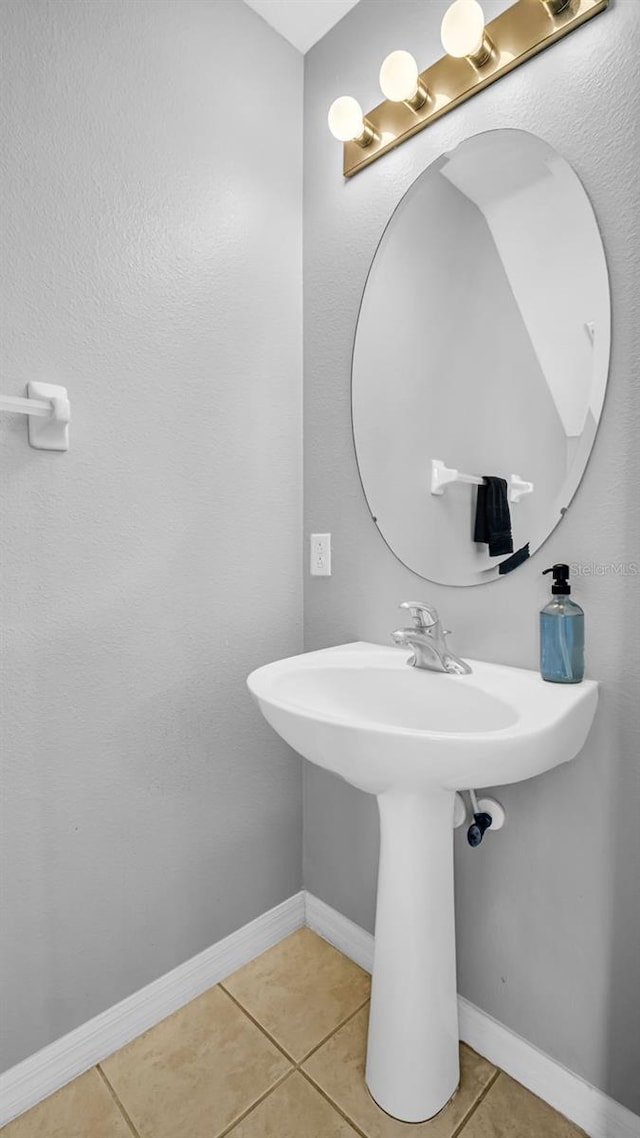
413 738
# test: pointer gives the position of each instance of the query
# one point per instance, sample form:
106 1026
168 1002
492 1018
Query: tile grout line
476 1103
255 1022
331 1034
341 1111
296 1068
296 1062
338 1109
254 1105
134 1130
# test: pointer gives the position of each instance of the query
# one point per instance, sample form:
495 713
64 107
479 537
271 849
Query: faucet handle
423 616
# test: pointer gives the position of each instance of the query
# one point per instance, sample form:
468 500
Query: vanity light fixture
347 123
475 57
400 80
463 34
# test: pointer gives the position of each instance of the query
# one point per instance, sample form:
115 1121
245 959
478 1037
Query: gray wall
549 910
151 256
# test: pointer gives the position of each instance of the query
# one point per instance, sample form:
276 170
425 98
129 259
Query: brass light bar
526 28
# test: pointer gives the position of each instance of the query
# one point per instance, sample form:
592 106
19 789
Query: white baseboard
567 1093
51 1068
353 941
24 1085
586 1106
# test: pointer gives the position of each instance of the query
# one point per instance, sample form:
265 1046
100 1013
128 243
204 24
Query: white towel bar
46 402
25 406
441 475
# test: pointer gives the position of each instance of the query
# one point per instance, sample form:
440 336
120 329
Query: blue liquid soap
561 633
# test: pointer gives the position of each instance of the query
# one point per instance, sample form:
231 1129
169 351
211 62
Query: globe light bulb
345 119
399 77
462 30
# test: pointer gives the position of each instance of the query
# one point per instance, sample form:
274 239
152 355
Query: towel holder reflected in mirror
441 475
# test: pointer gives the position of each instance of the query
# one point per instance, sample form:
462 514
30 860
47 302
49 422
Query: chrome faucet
427 638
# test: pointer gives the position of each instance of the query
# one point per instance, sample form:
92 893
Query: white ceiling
302 22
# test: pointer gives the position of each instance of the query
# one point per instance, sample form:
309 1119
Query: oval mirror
481 351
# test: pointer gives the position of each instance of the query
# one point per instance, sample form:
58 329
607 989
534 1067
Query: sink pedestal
404 734
412 1057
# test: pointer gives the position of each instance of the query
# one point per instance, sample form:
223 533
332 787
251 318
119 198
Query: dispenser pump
561 584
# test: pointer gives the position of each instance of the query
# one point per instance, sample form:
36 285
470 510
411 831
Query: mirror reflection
481 358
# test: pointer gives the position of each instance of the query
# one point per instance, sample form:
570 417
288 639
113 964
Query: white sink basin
413 737
359 711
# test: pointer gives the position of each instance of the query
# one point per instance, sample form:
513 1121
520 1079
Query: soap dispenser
561 633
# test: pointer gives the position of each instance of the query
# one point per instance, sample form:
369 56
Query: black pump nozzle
560 579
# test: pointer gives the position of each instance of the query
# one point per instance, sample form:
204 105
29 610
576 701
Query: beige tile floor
276 1051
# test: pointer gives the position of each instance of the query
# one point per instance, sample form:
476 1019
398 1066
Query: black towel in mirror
493 519
512 562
